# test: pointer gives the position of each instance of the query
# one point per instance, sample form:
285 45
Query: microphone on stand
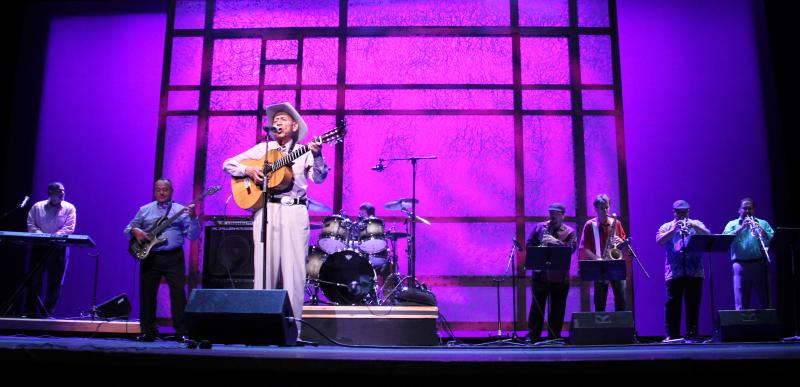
379 167
24 201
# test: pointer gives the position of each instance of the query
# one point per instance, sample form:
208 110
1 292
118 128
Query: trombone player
683 271
749 254
601 238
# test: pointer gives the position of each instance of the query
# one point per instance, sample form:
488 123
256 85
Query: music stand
789 237
711 243
547 258
602 270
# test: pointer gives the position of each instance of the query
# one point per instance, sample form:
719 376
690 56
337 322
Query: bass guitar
141 250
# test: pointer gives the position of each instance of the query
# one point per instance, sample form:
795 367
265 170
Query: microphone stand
412 253
510 268
11 211
636 257
264 222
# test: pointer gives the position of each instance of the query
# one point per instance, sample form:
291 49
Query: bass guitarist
287 216
165 260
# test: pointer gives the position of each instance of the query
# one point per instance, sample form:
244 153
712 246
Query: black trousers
557 293
601 295
690 290
171 266
51 262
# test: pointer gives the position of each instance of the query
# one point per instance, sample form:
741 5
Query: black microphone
516 244
379 167
268 128
24 201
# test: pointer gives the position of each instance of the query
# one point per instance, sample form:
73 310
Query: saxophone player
683 271
749 254
600 236
550 284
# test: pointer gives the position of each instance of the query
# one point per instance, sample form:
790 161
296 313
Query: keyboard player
55 216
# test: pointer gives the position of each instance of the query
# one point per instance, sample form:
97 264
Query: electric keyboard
46 239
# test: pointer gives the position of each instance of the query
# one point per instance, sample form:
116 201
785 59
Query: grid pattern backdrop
519 99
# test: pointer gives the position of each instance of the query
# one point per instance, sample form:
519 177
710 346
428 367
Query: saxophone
611 251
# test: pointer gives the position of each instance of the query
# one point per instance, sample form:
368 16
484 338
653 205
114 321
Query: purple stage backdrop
689 78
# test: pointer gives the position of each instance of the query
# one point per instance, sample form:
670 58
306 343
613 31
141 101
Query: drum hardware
419 218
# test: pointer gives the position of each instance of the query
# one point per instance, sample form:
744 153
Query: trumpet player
600 237
550 284
683 270
749 254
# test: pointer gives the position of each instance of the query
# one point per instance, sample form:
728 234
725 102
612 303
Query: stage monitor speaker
228 257
749 325
239 316
601 328
117 307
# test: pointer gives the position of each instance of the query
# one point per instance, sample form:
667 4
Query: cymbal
399 204
314 205
393 235
314 226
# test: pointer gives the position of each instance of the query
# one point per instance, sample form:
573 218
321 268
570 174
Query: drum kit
355 261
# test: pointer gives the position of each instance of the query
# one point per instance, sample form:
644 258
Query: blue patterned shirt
675 266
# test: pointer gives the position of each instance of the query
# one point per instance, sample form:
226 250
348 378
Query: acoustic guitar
277 170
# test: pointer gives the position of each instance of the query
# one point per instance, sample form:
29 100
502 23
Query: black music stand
553 258
789 237
547 258
711 243
602 270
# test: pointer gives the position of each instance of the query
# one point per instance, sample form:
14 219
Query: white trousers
287 247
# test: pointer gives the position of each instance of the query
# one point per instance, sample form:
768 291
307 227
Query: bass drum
346 278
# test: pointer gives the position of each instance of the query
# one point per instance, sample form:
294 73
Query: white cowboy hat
272 110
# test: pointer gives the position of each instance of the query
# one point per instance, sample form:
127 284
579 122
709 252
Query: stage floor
132 361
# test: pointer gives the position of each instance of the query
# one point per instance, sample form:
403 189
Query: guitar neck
163 226
292 156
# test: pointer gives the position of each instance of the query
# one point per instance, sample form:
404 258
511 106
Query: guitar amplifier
228 256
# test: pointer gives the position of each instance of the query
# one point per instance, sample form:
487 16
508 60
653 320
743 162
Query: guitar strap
165 216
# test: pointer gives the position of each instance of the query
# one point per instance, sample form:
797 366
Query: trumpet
683 226
755 228
758 233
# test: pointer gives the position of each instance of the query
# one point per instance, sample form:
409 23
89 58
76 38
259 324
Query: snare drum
333 238
372 238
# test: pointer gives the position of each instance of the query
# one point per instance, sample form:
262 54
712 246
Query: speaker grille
228 257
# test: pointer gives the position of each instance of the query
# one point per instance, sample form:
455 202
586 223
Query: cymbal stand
395 275
412 238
